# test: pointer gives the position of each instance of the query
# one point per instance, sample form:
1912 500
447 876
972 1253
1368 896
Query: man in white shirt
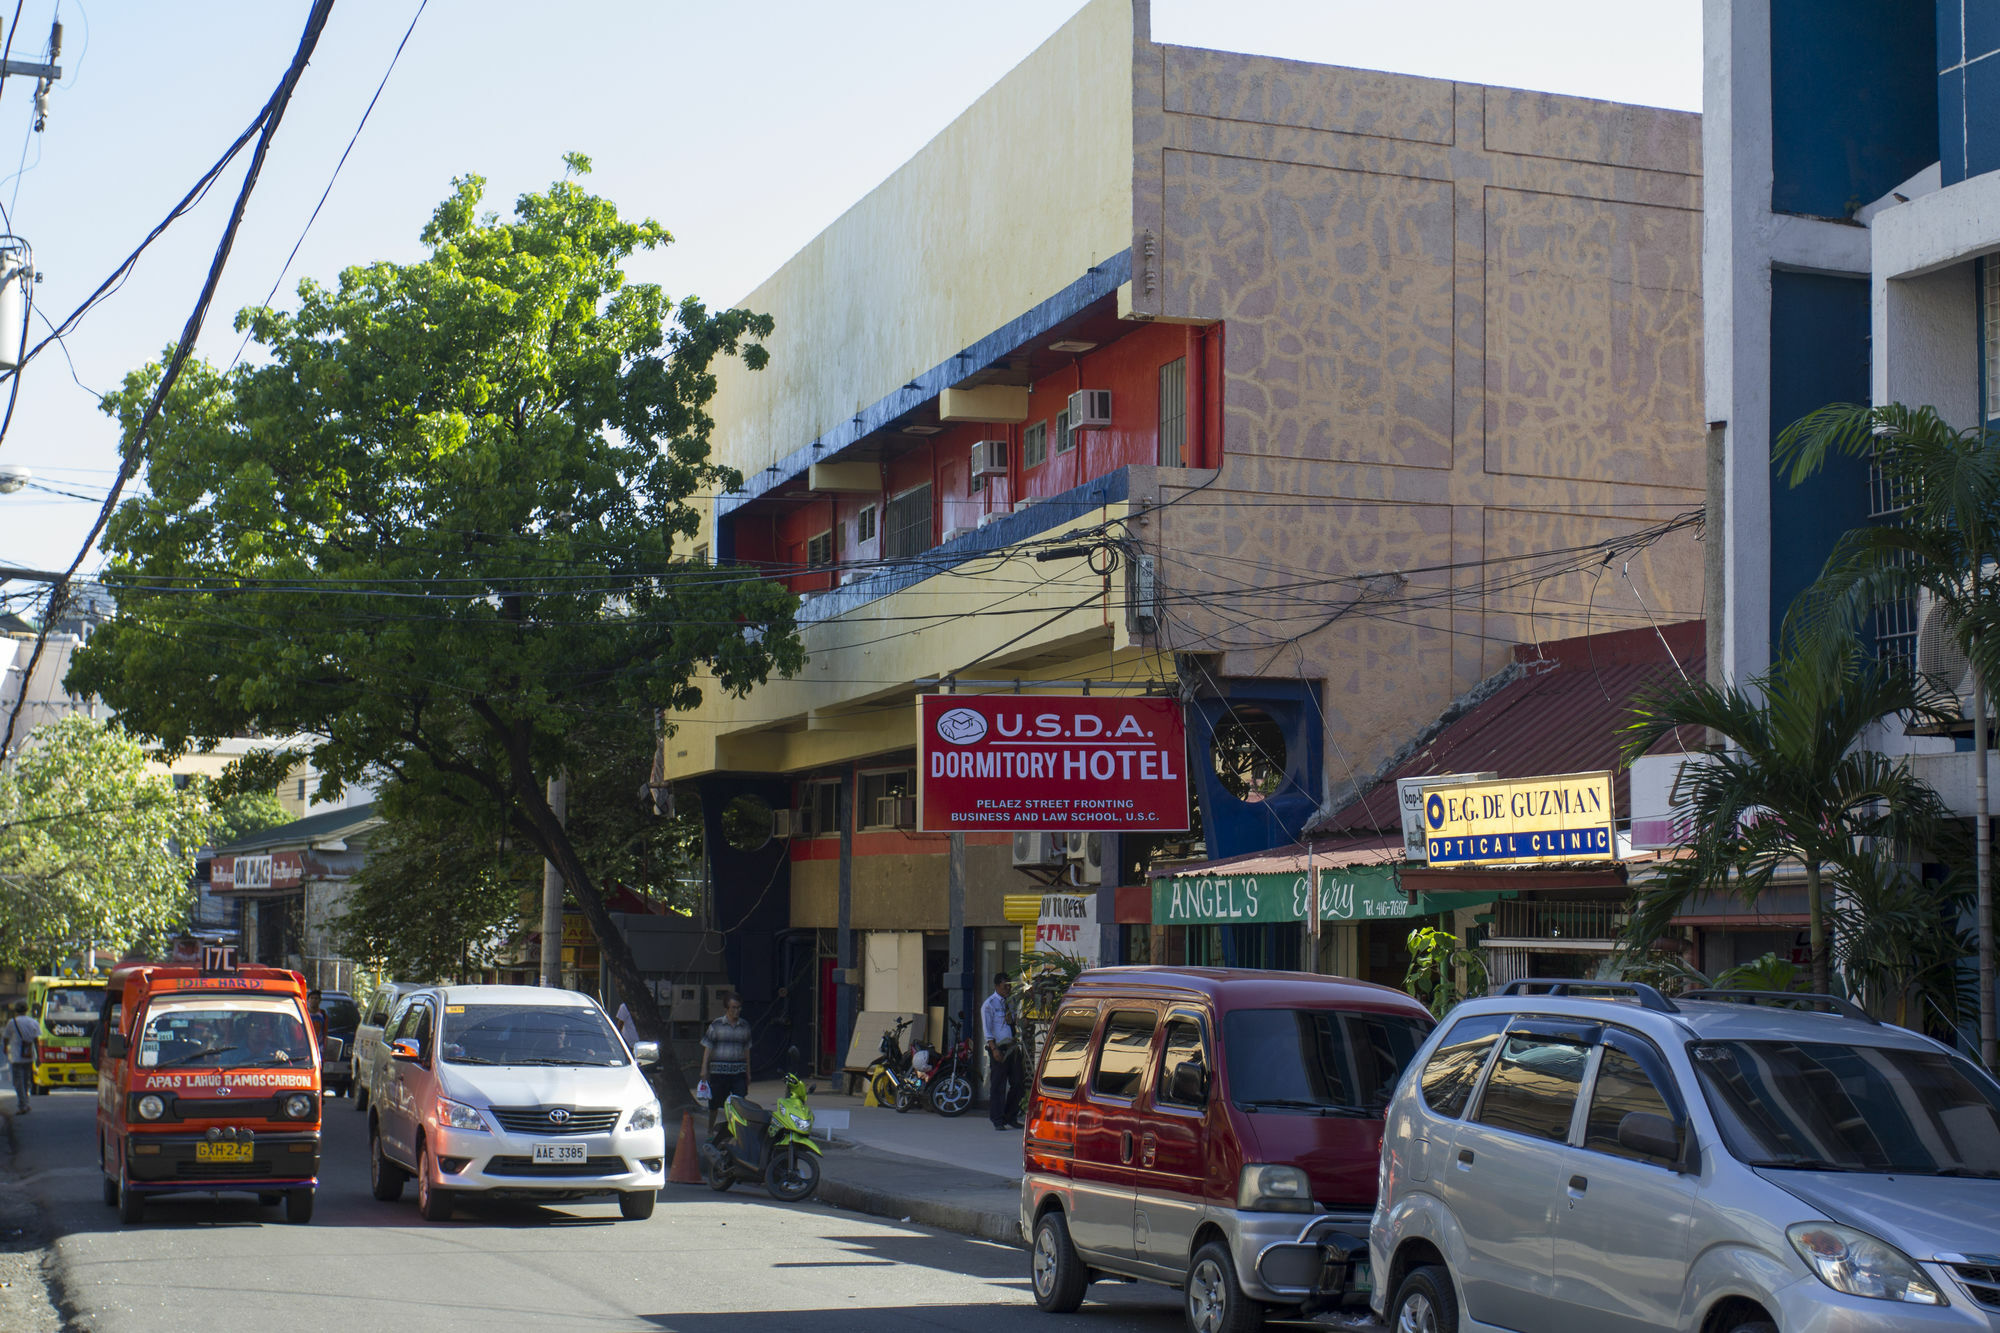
22 1036
1004 1056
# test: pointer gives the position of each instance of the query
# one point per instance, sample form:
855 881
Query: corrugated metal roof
1291 860
1563 716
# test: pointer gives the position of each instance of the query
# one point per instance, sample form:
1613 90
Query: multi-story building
1302 392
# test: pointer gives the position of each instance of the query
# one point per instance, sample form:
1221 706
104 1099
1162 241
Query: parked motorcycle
775 1146
889 1065
944 1084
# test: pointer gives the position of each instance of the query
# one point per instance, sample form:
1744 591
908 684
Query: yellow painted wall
1012 202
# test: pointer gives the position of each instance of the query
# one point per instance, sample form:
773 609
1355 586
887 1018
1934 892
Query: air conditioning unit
989 458
784 823
991 515
1089 407
895 812
1086 858
1940 660
1032 850
953 534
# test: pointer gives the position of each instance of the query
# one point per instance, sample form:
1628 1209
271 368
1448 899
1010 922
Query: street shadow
989 1260
1154 1316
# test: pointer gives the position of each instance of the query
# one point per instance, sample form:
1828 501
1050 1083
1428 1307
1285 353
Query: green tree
435 529
438 897
1788 784
1941 545
238 814
96 847
1438 966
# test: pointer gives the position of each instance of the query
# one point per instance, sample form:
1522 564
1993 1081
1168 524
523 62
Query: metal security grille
1989 301
906 526
1895 620
1173 413
1035 445
819 551
535 1120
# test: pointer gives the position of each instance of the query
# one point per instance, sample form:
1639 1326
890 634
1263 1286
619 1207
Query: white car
513 1091
369 1053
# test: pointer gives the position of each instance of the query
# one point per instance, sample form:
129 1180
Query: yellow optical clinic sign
1516 820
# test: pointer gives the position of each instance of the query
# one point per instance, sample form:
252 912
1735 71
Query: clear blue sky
744 128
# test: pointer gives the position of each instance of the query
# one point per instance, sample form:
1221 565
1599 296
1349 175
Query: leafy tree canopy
435 530
96 847
238 814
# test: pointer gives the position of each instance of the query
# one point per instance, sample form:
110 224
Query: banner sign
1025 763
1347 894
1520 820
1410 803
1067 924
265 873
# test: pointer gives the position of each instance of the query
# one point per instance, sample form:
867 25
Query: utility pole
552 892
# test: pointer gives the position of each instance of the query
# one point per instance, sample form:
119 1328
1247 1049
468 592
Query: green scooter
775 1146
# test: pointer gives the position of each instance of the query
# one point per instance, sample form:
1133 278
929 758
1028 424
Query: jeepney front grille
528 1166
570 1120
224 1108
253 1169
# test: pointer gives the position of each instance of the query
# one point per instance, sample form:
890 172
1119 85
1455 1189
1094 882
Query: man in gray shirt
725 1057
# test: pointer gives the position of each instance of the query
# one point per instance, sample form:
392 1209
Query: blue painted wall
1819 355
1853 101
1968 87
1231 827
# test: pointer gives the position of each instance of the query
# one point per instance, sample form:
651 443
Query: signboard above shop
1347 894
998 763
1518 821
1410 802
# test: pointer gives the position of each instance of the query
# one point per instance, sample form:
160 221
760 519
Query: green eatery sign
1349 893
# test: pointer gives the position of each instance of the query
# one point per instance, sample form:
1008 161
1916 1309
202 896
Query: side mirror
646 1052
1652 1135
405 1049
115 1045
1189 1083
331 1048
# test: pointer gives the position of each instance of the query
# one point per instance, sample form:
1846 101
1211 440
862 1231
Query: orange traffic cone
687 1168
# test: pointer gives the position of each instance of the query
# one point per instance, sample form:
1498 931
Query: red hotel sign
1012 762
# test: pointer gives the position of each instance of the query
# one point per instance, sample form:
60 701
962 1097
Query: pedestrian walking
1003 1053
725 1056
23 1034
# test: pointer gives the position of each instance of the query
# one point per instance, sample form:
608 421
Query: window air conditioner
784 823
1089 407
1086 858
991 515
953 534
989 458
1038 849
895 812
1940 660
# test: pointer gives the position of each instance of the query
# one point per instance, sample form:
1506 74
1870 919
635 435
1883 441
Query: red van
1216 1130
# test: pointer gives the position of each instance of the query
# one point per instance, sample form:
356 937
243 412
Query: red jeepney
208 1081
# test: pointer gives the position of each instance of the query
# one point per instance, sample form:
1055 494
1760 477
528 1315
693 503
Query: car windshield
223 1034
1317 1061
1815 1106
520 1034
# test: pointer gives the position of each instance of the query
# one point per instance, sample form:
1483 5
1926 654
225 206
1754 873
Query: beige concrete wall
1012 202
906 891
1462 326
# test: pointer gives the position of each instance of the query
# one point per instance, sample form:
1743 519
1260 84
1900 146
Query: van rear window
1317 1059
1069 1051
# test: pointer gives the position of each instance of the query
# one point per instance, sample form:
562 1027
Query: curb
981 1223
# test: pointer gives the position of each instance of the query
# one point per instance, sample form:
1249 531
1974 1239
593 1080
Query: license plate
560 1152
222 1152
1364 1278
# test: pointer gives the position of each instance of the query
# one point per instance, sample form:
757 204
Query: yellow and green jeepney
68 1009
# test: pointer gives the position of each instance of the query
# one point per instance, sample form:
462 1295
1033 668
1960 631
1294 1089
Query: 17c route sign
1003 763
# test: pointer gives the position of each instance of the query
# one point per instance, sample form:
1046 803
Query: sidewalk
958 1175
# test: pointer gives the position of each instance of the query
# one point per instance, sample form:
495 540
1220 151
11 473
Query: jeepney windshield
232 1033
72 1004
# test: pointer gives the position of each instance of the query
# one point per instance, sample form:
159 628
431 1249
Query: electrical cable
267 125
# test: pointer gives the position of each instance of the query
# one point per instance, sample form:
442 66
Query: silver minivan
1583 1155
370 1054
513 1091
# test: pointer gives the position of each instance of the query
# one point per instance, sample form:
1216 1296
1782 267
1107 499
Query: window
302 789
1622 1088
976 484
1173 413
1069 1049
864 524
886 798
821 807
700 556
1454 1066
1035 445
1064 440
819 550
906 526
1317 1057
1533 1088
1989 281
1121 1063
378 1009
1183 1044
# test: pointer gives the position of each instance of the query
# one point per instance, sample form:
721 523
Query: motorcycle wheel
951 1094
794 1175
716 1171
884 1084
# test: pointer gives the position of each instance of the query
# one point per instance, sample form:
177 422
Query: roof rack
1845 1008
1646 995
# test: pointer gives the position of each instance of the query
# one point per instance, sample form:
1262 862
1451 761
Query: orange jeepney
207 1081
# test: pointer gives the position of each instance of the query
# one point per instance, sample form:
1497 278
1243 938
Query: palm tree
1942 543
1898 938
1788 782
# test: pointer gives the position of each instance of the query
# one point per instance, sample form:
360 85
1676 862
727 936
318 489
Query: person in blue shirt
1004 1056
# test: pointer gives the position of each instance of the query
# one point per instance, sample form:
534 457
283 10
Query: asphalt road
702 1262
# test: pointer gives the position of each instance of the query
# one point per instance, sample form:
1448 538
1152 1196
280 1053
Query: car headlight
298 1106
1274 1189
1858 1264
457 1115
151 1107
646 1117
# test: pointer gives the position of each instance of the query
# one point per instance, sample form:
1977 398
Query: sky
745 129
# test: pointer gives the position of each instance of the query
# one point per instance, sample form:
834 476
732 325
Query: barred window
1035 445
864 524
906 525
1064 440
1173 413
1989 297
819 550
